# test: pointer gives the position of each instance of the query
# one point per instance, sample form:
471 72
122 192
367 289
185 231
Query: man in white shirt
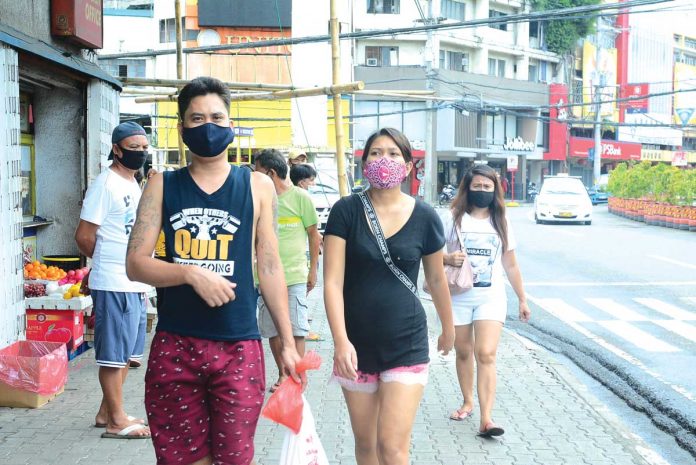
106 220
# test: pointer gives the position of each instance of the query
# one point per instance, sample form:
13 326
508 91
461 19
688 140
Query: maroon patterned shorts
203 398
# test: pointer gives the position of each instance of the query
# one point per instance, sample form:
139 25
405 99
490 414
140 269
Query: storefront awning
23 42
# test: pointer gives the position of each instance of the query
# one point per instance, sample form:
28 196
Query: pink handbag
459 278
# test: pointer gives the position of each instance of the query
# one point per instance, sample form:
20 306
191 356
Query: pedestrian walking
106 220
373 246
205 380
297 225
303 175
478 222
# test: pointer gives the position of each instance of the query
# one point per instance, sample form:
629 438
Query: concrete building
495 79
58 111
141 25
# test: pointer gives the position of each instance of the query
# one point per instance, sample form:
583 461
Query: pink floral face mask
385 173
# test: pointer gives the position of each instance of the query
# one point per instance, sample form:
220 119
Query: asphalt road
618 299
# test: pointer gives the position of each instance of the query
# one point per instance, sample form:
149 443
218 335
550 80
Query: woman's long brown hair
461 205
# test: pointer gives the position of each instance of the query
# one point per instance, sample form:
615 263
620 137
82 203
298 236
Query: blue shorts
119 327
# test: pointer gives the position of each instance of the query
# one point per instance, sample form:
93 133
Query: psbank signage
79 21
611 150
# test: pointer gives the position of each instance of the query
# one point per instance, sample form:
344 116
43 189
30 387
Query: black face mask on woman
481 199
132 159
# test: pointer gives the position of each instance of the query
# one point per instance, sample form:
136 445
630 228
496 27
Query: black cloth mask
208 140
132 159
481 199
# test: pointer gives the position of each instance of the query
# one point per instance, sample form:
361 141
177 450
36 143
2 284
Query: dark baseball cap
123 130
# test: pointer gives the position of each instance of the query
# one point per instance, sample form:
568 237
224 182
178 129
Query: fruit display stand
57 319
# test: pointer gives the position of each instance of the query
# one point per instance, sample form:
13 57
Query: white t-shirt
111 203
485 251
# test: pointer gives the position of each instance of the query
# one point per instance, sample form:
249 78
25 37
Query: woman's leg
464 349
487 336
398 404
363 409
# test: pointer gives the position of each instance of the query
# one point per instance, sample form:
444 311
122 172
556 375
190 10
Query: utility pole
597 166
179 73
430 175
338 111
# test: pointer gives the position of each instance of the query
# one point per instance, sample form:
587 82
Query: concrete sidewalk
548 416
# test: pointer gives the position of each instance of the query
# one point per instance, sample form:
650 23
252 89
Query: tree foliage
562 35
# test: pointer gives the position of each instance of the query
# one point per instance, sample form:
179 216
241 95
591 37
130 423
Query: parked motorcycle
447 194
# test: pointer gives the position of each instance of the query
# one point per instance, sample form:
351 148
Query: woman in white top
478 217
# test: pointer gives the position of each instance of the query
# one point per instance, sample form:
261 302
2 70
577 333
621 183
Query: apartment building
495 79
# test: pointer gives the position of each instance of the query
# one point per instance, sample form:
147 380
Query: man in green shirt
297 224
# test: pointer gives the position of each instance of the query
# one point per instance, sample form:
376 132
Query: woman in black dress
377 321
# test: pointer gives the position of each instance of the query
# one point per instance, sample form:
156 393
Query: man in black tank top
205 380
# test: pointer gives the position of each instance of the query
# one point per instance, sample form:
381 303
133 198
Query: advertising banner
611 149
594 73
684 102
637 93
78 20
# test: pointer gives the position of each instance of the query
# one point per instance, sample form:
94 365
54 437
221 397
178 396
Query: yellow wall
331 128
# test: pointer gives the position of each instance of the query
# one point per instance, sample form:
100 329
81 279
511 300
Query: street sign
512 163
685 115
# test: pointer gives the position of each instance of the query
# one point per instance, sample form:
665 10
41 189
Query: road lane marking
638 337
670 310
672 261
624 356
684 330
562 310
610 283
620 312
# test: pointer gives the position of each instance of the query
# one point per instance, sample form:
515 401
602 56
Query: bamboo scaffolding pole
179 73
338 110
154 82
283 94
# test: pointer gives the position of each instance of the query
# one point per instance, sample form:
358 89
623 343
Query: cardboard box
32 373
13 397
65 326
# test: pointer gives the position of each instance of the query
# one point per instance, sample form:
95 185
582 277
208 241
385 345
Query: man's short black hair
271 159
302 171
203 85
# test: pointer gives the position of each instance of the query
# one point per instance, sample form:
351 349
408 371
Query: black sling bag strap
382 243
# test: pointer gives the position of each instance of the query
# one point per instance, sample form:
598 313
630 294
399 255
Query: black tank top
213 231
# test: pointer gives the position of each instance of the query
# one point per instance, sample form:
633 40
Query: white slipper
125 433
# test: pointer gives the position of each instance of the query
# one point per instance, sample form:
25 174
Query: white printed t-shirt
111 203
485 251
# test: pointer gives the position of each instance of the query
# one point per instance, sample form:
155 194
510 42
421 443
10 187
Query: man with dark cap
106 221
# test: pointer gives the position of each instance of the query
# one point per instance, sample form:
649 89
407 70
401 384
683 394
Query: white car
323 196
563 199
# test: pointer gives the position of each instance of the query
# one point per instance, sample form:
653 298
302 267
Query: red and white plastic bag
303 448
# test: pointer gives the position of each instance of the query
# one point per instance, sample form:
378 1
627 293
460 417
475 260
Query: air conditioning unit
371 62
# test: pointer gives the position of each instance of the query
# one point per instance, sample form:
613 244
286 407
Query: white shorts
475 305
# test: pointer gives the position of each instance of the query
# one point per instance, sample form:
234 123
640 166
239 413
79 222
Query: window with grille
452 9
384 7
457 61
167 31
496 67
381 56
495 14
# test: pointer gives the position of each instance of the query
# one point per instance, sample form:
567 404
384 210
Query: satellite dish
208 37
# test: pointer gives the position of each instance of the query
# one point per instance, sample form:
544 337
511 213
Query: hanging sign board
79 21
